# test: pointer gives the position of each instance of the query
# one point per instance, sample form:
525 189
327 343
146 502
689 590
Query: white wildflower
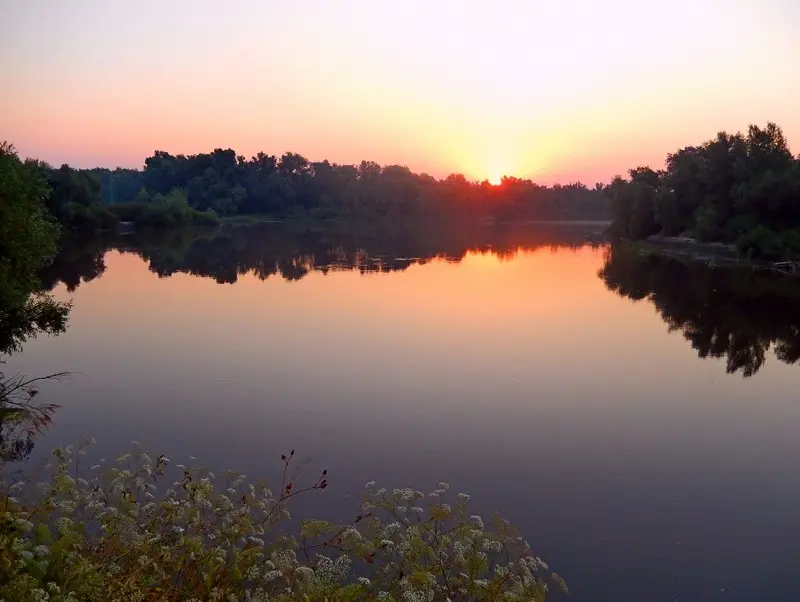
352 533
304 574
464 497
475 518
492 546
370 485
39 595
272 576
391 529
363 581
41 550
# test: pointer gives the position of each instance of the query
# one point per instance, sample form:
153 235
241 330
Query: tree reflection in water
274 251
735 313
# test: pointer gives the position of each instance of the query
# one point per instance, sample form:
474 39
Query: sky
557 91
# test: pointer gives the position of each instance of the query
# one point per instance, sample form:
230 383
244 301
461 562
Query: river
636 418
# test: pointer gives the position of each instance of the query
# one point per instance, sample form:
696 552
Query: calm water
647 449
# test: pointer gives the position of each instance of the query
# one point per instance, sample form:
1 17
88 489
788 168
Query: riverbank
712 253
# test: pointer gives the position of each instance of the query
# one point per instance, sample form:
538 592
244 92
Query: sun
497 166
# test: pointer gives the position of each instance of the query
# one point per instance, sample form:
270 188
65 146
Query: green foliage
128 212
123 532
763 243
223 184
27 243
164 211
27 235
720 191
291 186
118 185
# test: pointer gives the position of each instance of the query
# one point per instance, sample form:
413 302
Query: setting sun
495 178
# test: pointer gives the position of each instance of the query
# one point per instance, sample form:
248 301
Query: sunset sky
553 90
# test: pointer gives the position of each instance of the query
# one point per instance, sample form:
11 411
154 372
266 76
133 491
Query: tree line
291 186
742 189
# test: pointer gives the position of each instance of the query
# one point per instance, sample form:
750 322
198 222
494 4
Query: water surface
630 415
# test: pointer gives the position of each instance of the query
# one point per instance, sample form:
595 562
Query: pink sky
556 91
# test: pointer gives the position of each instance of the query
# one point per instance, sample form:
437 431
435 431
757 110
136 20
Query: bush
157 217
761 243
128 212
206 218
117 533
705 224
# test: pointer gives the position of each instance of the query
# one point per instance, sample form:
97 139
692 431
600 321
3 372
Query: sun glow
495 178
496 166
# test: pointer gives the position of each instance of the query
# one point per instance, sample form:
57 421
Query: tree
734 188
28 238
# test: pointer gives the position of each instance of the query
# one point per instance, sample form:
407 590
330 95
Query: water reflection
268 250
734 313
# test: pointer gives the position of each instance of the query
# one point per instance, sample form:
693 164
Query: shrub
761 243
128 212
118 533
205 218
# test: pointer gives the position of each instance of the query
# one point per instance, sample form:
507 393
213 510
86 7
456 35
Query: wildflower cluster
124 531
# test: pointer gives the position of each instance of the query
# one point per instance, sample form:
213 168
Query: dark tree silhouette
724 312
742 189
